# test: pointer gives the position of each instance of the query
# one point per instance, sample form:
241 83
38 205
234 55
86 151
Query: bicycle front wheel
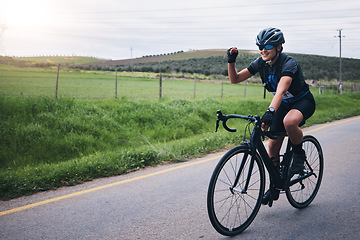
235 191
303 192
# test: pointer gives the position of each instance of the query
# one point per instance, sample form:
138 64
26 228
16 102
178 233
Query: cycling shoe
298 163
270 196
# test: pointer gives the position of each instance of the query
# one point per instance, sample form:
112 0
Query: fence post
222 88
245 90
160 86
116 83
194 85
57 82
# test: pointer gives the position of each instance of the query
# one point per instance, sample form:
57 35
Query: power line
242 6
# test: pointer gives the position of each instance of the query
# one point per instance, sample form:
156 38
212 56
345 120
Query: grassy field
87 133
70 60
31 82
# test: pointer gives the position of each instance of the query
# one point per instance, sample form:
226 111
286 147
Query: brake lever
219 118
217 125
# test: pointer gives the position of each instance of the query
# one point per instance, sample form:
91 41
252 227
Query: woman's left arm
282 88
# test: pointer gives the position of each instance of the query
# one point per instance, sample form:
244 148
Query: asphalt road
169 202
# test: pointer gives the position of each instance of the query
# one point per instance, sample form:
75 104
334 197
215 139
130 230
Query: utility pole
132 69
116 83
340 77
57 81
160 86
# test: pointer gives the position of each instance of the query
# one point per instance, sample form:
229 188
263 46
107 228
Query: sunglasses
267 47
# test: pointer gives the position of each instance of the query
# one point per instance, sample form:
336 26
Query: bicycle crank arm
299 179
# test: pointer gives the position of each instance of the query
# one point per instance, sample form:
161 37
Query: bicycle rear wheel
231 209
302 193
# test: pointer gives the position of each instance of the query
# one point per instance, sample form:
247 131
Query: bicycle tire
301 194
232 211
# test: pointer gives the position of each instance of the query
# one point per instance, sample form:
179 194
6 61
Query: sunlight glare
27 13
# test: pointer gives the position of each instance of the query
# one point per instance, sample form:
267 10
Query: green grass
48 143
31 82
85 134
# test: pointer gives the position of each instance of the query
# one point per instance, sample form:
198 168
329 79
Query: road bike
237 184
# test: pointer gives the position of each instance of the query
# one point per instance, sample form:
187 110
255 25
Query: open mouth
264 54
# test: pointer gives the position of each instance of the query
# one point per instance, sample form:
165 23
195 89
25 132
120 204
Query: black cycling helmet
270 36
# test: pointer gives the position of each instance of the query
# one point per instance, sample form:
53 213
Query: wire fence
70 83
338 88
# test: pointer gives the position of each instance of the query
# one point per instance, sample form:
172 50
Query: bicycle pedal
270 203
264 201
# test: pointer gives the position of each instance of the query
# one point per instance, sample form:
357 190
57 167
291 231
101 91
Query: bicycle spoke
228 184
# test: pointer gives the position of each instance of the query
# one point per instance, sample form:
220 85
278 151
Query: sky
123 29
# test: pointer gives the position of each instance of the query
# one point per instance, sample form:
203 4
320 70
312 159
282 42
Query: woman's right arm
236 77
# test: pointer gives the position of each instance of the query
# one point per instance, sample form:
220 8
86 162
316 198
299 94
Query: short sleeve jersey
270 75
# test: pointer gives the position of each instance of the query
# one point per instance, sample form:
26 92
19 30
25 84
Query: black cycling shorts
306 106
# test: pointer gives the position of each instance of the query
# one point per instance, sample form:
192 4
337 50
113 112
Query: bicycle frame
256 145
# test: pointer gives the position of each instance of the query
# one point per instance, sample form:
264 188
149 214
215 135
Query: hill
47 61
175 56
209 62
61 59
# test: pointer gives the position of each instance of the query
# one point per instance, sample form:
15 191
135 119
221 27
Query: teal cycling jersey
270 75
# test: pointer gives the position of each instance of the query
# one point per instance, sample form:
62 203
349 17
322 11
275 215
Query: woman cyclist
292 103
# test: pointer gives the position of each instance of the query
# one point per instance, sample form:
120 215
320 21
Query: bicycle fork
243 162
